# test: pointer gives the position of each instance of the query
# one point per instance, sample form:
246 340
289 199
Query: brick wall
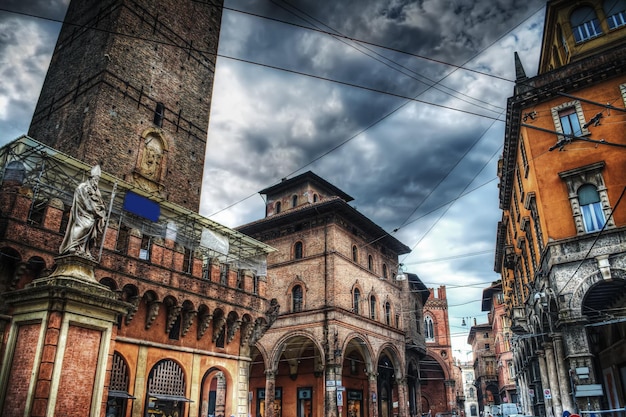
100 115
79 368
21 369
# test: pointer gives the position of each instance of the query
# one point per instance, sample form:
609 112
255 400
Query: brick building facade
349 338
133 79
160 318
437 370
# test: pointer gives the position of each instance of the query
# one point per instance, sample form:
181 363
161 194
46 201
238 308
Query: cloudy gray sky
402 109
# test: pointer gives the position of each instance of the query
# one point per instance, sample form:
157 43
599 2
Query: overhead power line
274 67
385 60
408 98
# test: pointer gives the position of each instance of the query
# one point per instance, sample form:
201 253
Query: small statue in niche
151 161
87 218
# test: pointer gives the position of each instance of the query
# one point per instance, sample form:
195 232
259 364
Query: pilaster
66 320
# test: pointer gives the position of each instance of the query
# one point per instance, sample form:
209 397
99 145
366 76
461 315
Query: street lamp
401 275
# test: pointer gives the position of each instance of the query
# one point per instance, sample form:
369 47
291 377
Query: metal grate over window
167 378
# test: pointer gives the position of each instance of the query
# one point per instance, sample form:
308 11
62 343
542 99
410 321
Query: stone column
450 393
555 389
60 341
372 401
331 395
243 384
545 382
563 374
522 392
403 397
220 394
270 392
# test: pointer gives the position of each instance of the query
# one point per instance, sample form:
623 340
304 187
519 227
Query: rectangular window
123 234
240 279
206 268
589 29
305 402
187 260
144 252
593 216
617 20
569 122
224 274
520 185
524 157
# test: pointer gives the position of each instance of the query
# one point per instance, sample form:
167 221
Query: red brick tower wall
438 392
124 57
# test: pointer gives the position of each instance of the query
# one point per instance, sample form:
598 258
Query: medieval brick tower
129 88
159 319
438 386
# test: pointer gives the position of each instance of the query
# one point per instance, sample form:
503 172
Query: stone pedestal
59 343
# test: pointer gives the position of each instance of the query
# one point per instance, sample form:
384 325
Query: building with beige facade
349 338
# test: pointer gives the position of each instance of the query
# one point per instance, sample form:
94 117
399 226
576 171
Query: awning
165 397
120 394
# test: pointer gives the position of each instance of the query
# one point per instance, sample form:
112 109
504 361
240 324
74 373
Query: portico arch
389 373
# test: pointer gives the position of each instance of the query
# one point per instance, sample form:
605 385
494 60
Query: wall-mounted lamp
542 298
401 276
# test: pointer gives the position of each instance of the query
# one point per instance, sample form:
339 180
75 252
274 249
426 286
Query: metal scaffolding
51 174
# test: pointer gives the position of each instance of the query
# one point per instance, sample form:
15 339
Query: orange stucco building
559 245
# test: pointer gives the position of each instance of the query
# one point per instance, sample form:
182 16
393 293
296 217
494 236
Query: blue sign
142 206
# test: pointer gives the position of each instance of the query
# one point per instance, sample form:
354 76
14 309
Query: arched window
429 329
294 201
296 297
166 387
589 200
388 314
118 386
214 393
385 272
355 253
159 114
615 11
315 198
373 307
297 250
356 300
277 207
370 262
585 24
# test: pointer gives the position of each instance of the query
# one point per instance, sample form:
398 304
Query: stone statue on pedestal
87 218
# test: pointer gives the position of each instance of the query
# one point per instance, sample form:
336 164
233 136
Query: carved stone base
74 266
73 282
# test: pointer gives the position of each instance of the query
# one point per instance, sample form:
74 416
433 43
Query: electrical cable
433 83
